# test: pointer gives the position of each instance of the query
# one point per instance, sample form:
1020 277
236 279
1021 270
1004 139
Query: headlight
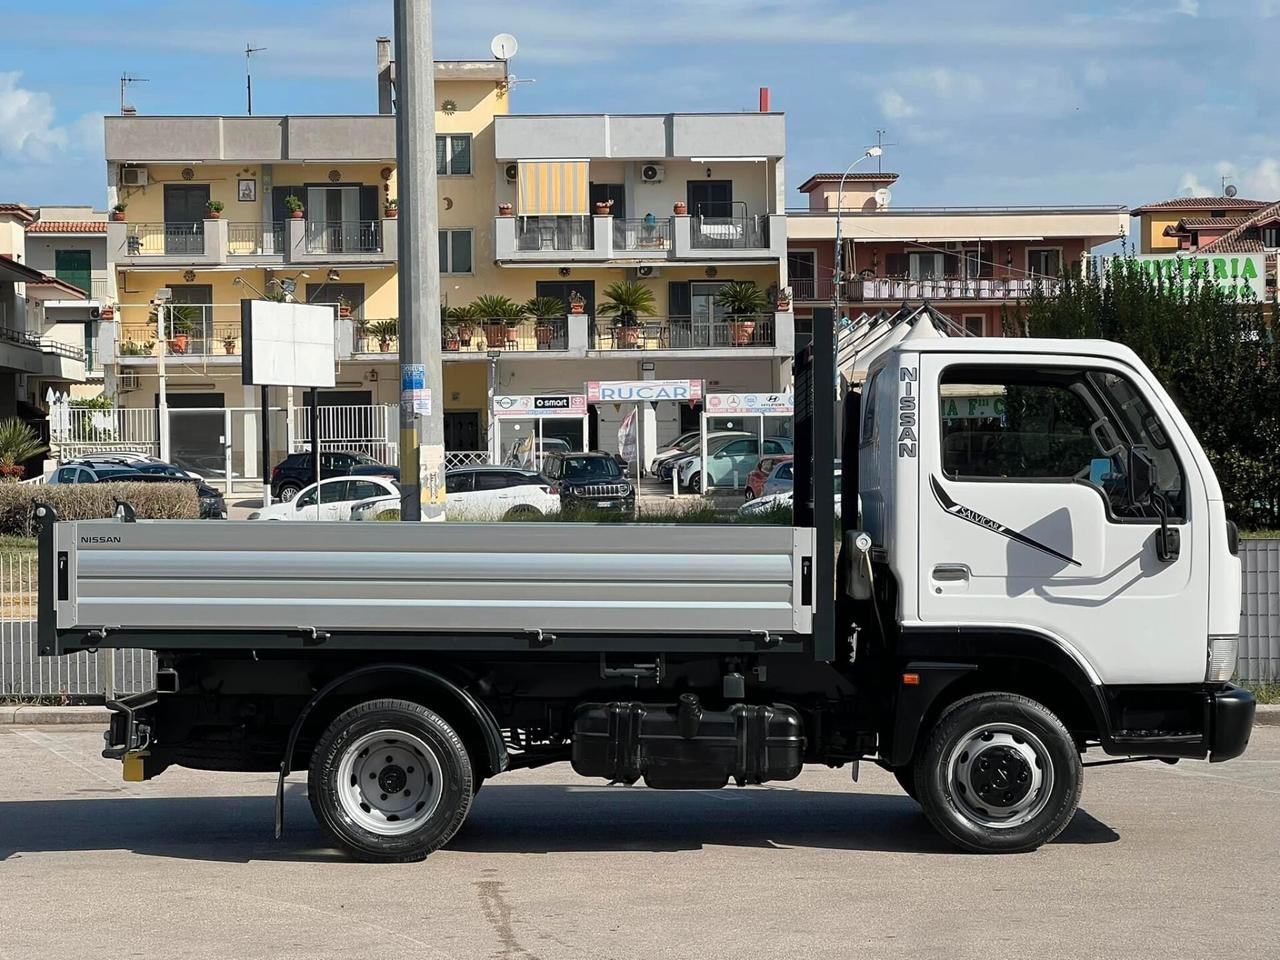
1222 659
254 516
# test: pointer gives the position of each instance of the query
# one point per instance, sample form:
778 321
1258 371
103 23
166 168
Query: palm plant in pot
545 311
743 301
18 444
464 322
361 326
180 320
500 316
626 301
386 331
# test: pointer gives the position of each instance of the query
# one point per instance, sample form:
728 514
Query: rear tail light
275 471
551 490
1222 659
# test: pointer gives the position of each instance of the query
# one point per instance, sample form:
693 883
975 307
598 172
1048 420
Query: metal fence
115 673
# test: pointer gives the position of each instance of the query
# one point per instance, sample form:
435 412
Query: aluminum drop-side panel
463 577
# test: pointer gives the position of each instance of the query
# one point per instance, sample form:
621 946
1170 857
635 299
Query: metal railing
344 236
164 239
192 332
555 233
368 429
255 239
33 340
526 335
1259 659
648 233
456 459
729 233
99 288
76 431
948 288
816 289
685 333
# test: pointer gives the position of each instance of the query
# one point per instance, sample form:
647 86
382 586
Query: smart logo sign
549 405
1242 275
633 391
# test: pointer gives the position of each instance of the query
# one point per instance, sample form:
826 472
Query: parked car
527 453
591 481
96 472
297 470
768 502
730 461
481 493
666 464
332 499
212 504
139 461
774 467
375 470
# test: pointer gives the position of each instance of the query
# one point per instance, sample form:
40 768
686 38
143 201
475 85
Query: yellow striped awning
553 187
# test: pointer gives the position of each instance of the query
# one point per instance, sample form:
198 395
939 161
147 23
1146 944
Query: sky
984 102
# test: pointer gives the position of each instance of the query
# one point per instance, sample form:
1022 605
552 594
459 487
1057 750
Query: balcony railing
524 336
344 236
193 330
685 333
648 233
33 340
729 233
819 289
950 288
164 239
255 239
554 233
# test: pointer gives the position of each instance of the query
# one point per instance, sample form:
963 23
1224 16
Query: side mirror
1142 476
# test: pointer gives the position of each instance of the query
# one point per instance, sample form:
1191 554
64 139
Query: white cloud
1190 8
895 106
27 130
1263 182
1190 186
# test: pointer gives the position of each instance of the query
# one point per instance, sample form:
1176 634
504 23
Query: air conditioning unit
133 176
512 171
653 173
127 381
645 271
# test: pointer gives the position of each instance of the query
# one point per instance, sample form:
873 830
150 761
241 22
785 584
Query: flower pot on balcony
505 209
627 336
451 344
464 336
344 311
117 216
741 332
604 208
578 308
384 346
229 347
495 335
178 343
544 332
390 210
680 208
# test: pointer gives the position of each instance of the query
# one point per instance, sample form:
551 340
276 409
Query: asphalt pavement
1161 862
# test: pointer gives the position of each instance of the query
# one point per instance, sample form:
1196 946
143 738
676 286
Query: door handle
946 572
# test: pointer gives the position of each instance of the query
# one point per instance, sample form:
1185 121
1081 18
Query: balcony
760 333
897 289
257 240
649 235
216 242
523 336
559 234
197 331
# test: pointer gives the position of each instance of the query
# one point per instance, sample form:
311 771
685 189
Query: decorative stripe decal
964 513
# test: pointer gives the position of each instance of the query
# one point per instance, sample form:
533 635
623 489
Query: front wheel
999 774
390 781
695 483
288 492
522 512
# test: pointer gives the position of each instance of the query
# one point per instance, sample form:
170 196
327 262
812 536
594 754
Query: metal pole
421 419
162 328
839 258
315 440
266 447
494 436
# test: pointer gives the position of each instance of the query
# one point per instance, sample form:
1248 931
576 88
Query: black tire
978 773
906 777
522 512
398 718
288 492
750 495
695 483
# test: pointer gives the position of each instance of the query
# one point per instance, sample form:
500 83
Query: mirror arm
1168 542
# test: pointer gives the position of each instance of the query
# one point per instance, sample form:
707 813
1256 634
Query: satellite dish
883 196
1231 190
504 46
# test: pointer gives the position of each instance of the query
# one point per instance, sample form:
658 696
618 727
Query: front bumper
1231 721
1195 721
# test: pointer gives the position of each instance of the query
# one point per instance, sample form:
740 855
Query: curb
32 715
1267 715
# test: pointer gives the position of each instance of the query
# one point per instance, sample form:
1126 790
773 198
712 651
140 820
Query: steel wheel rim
999 775
287 494
389 782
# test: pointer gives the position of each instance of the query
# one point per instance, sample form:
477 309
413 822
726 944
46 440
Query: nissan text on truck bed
1043 573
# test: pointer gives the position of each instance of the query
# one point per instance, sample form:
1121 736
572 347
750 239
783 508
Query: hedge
94 501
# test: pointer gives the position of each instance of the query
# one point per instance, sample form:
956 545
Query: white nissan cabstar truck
1043 573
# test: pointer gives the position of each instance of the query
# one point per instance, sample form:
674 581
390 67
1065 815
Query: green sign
1242 274
972 408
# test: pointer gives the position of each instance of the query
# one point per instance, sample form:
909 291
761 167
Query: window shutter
369 204
986 267
951 265
679 301
896 264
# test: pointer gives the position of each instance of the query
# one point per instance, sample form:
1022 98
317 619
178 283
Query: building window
455 251
1271 237
974 324
802 264
1044 263
453 155
925 266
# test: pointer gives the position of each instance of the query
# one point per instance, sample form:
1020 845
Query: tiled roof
20 210
68 226
21 273
1199 223
858 177
1201 203
1237 241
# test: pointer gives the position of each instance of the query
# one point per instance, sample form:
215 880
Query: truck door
1025 520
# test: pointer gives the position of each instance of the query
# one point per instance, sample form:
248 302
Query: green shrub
93 501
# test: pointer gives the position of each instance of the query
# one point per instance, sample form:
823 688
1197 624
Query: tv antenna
125 80
249 51
881 144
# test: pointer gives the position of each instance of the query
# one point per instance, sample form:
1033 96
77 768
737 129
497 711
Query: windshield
591 468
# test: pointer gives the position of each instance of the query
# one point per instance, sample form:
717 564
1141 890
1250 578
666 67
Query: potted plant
361 335
18 444
132 348
626 301
505 208
545 310
385 331
743 301
464 322
784 299
577 302
296 210
500 316
117 212
680 208
214 209
180 320
344 307
604 208
449 338
229 343
391 208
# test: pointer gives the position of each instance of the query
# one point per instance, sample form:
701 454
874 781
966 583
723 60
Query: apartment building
220 208
1166 226
965 262
42 318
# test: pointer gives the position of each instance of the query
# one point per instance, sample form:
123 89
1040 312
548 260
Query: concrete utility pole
421 375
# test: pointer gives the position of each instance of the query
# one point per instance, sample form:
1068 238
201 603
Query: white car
732 460
482 493
778 501
338 496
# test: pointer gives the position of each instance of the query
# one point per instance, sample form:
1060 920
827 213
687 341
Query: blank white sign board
287 344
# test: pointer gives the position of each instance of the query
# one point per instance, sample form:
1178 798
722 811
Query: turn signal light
911 679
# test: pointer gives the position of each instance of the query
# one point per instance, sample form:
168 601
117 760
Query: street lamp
839 265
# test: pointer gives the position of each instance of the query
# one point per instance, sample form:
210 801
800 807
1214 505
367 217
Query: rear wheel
999 774
288 492
390 781
522 512
695 483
